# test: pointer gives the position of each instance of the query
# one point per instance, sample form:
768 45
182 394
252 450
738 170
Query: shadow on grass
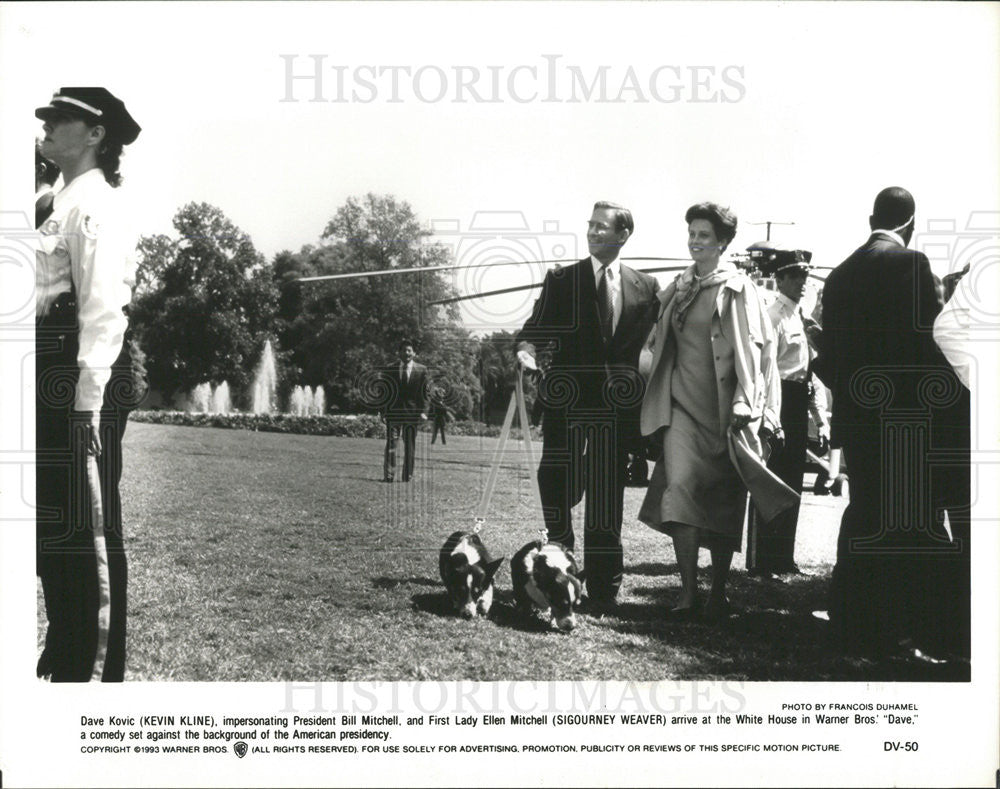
503 613
438 604
659 596
770 633
506 614
652 568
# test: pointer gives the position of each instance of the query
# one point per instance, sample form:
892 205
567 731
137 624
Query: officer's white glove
526 360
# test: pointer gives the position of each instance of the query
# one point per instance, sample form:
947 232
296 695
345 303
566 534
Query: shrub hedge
346 425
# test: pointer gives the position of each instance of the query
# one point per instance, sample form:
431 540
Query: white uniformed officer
771 550
84 387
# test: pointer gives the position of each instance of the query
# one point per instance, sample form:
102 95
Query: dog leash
516 403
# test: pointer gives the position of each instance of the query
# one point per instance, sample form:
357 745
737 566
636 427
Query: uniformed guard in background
85 387
771 548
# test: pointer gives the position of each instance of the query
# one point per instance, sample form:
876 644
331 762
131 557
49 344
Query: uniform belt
61 313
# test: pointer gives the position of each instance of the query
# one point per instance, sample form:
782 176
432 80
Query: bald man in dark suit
893 393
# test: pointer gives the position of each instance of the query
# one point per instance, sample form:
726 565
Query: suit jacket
586 373
406 401
440 413
877 344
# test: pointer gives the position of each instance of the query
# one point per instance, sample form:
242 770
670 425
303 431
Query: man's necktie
605 307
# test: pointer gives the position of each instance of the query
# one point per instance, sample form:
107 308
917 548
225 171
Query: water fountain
296 404
220 399
200 397
305 401
265 382
206 400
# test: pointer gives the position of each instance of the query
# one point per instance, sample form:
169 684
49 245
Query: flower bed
347 425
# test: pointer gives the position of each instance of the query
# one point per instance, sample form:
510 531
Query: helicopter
760 260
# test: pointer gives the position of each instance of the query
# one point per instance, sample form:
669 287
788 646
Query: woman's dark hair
723 220
109 156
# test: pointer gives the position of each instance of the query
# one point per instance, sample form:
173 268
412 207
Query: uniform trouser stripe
103 573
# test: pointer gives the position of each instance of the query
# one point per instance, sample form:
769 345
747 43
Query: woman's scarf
689 285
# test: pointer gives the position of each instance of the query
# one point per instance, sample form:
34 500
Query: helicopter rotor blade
517 288
451 267
661 269
414 269
454 299
686 261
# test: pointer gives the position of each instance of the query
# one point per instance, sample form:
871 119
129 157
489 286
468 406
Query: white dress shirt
793 351
891 234
84 246
951 330
614 287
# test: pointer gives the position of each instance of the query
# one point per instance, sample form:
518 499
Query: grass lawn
264 556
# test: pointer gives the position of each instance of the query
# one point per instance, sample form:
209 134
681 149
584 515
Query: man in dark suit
892 391
595 316
406 409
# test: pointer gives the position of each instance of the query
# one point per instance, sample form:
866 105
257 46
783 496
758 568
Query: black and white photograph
562 391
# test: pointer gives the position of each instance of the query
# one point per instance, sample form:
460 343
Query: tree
205 303
339 332
498 374
452 361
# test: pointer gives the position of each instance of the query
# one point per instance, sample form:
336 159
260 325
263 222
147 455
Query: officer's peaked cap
97 106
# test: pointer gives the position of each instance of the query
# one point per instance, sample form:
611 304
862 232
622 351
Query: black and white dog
545 577
467 570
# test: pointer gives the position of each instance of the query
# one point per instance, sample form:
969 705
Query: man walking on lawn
595 315
406 409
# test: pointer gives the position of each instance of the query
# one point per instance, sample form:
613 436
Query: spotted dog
467 570
546 578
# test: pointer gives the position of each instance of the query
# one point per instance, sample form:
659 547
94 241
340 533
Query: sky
497 131
795 113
